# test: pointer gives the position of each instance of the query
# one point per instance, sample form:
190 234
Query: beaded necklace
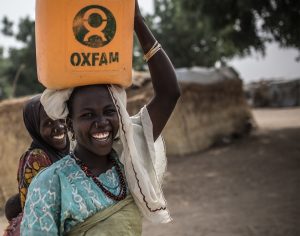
88 173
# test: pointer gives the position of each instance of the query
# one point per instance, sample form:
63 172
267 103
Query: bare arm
166 89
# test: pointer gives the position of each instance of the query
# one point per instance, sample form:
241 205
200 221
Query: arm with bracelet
166 88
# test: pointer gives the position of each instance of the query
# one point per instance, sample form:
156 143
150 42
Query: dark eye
87 115
110 111
49 123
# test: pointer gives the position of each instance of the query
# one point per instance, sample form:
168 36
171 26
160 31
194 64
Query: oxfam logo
94 26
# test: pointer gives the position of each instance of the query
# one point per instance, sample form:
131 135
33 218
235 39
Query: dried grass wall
14 140
205 114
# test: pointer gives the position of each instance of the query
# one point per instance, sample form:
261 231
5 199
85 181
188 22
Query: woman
113 178
49 144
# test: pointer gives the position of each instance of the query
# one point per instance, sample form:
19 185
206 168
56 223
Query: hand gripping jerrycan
82 42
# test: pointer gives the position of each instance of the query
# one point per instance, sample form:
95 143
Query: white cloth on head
55 102
144 160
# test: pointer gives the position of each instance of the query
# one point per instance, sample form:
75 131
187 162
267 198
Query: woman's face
53 132
94 119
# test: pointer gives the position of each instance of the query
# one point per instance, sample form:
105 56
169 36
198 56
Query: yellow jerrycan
82 42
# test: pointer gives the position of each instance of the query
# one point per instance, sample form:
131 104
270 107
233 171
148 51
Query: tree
19 76
3 81
193 32
202 32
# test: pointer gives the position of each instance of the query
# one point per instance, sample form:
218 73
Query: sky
278 63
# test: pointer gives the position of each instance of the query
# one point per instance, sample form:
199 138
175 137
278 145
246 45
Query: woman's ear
70 127
69 124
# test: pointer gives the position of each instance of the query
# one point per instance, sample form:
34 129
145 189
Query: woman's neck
66 150
97 164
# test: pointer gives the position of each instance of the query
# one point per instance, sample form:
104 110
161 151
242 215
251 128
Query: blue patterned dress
45 212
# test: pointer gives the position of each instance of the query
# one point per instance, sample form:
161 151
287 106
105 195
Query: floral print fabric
30 164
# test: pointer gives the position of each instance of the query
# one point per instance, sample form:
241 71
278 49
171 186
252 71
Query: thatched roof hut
212 106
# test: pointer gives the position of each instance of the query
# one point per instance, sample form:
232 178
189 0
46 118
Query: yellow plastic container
82 42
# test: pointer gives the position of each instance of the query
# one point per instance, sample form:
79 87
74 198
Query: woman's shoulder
37 151
53 171
36 154
35 159
59 166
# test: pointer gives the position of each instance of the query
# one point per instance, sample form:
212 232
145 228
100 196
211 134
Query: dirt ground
250 187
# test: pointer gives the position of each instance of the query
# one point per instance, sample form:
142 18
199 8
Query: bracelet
153 50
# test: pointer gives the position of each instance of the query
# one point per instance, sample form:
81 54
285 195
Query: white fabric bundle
144 160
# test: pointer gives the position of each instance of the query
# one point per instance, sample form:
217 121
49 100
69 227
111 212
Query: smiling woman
112 179
53 132
93 119
49 143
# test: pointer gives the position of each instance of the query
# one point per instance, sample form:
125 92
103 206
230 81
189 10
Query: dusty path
248 188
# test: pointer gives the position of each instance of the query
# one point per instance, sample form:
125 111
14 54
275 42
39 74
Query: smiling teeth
59 136
101 135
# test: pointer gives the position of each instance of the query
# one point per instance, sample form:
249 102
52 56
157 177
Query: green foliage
7 27
3 81
202 32
18 75
193 32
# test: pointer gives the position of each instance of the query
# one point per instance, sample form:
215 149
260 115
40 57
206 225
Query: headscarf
31 118
144 160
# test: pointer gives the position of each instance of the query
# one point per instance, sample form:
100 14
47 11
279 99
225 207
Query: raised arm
166 89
